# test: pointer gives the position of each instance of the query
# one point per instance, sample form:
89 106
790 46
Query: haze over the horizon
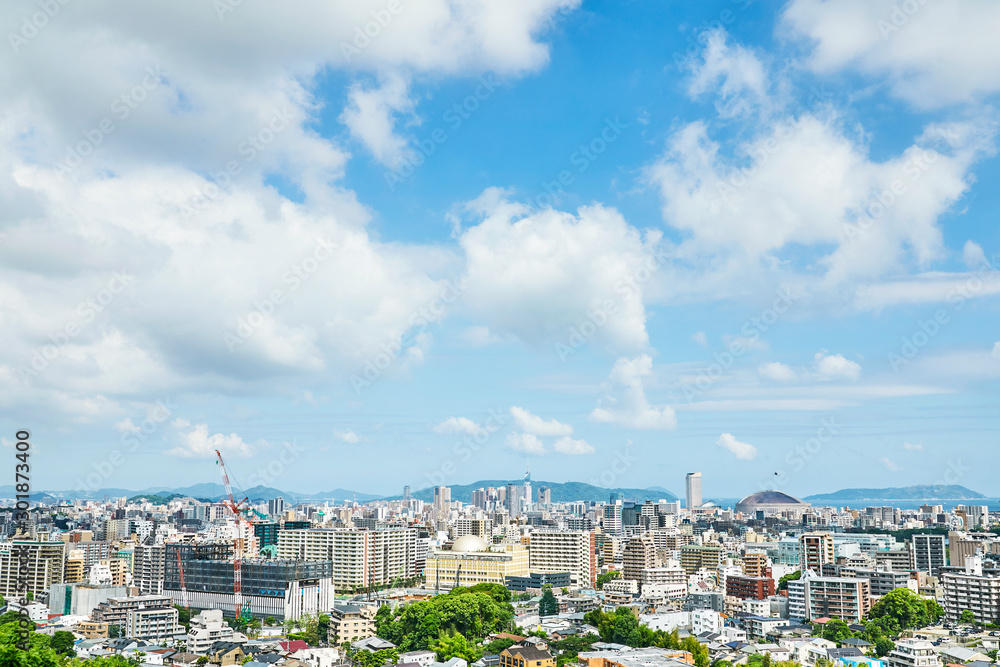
616 242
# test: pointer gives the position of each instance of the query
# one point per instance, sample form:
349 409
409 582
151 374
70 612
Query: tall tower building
442 502
527 486
693 485
815 549
406 492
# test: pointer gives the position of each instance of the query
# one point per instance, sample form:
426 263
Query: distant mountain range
207 491
562 492
910 493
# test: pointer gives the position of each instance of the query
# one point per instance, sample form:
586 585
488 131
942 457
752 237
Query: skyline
626 240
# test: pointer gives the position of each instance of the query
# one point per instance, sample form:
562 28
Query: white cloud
741 450
889 464
537 275
915 52
571 447
836 367
371 116
996 350
627 404
700 338
459 425
525 443
199 444
535 425
777 371
734 72
347 436
973 255
913 447
126 426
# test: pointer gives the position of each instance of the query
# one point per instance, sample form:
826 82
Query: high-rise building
149 569
973 588
639 555
561 551
544 496
406 492
276 506
360 557
613 519
695 556
39 564
479 498
692 485
814 597
815 549
515 500
755 564
442 502
928 553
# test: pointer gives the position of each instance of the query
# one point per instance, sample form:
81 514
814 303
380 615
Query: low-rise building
913 653
351 622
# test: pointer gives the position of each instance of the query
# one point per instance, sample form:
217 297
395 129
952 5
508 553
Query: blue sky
780 217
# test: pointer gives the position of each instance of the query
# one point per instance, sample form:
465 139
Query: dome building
772 503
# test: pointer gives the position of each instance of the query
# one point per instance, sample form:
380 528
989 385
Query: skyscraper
442 502
406 492
693 484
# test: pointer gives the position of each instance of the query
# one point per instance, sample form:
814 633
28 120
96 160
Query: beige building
472 561
44 561
573 552
639 555
815 549
74 567
360 557
695 557
351 622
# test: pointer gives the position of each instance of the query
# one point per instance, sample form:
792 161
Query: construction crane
184 590
237 508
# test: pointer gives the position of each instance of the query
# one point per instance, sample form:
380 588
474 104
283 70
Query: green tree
114 631
606 577
183 616
62 642
548 606
497 646
783 582
834 630
883 645
967 616
270 620
904 607
456 646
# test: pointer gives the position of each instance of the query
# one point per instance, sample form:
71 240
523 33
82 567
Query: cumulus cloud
371 116
541 276
804 178
525 443
913 447
700 338
777 371
571 447
197 443
204 121
836 367
458 425
627 404
530 423
348 436
910 46
741 450
732 72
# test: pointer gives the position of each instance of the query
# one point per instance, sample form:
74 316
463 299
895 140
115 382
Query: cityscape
500 333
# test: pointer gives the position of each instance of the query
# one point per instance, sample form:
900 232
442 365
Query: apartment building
749 588
39 564
899 560
153 624
148 574
815 549
207 628
351 622
835 597
929 553
971 587
360 557
694 557
883 580
639 554
755 564
573 552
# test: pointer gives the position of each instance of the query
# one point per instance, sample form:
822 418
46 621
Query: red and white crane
237 508
184 590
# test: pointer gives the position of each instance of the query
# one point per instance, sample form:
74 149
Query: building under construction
282 589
